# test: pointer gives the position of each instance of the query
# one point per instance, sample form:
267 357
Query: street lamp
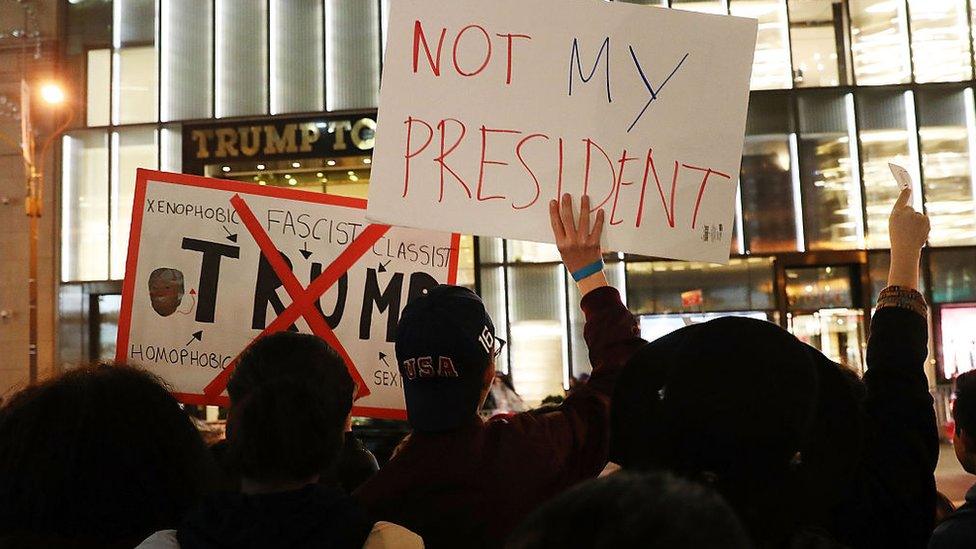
53 96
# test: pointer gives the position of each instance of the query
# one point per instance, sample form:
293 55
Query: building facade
284 92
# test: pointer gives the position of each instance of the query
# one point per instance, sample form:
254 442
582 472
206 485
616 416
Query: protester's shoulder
164 539
958 530
388 535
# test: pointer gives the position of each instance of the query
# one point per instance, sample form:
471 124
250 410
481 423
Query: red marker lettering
509 37
408 155
442 126
518 153
418 38
619 184
457 41
701 189
586 179
481 166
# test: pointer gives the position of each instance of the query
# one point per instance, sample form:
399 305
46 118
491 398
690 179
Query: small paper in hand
902 176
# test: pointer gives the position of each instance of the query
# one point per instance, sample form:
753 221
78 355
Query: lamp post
53 96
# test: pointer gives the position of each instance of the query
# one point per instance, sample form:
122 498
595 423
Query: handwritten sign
490 109
215 264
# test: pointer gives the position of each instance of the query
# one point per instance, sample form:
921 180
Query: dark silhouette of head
291 395
100 456
633 510
743 405
964 415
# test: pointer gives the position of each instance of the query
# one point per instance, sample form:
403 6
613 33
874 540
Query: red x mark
303 299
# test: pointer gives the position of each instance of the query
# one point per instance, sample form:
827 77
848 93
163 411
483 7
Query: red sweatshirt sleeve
574 438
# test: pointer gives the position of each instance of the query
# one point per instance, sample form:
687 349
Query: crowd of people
726 434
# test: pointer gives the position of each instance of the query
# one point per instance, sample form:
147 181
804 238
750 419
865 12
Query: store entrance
824 310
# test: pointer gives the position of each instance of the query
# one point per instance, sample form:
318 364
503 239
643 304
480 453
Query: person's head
445 349
290 397
633 510
964 414
101 455
745 406
165 290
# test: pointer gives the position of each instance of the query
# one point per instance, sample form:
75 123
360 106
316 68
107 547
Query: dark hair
633 510
100 455
964 408
290 396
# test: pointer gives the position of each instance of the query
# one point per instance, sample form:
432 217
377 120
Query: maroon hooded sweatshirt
472 486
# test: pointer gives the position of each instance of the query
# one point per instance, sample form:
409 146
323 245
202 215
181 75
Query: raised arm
902 446
574 438
611 332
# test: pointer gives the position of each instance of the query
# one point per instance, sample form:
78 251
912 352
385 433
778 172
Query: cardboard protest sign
214 264
490 109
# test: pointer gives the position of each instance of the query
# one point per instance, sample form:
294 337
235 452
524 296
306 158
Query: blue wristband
588 270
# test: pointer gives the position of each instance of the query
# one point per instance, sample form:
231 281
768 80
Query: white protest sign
490 109
203 280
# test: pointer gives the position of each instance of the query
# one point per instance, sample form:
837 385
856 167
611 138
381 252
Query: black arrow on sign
197 336
304 251
383 358
382 268
230 236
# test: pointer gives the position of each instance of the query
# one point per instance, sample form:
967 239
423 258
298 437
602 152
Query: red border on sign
143 177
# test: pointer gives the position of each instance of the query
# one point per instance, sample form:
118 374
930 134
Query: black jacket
959 529
311 517
891 501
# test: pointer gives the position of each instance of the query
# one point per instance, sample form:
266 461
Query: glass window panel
947 132
765 180
940 40
132 148
171 148
538 330
493 293
135 23
663 3
742 285
465 275
766 185
352 54
98 100
490 249
297 74
384 22
879 34
242 58
135 86
878 263
703 6
820 43
814 288
953 275
187 59
886 136
829 178
84 206
521 251
771 65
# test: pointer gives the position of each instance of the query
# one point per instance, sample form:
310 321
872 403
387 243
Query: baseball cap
445 340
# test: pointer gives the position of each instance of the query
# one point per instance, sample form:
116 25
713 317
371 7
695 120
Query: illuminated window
352 54
946 129
940 40
887 132
135 85
186 59
297 73
84 206
829 177
820 43
879 33
241 30
703 6
771 65
132 148
766 180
